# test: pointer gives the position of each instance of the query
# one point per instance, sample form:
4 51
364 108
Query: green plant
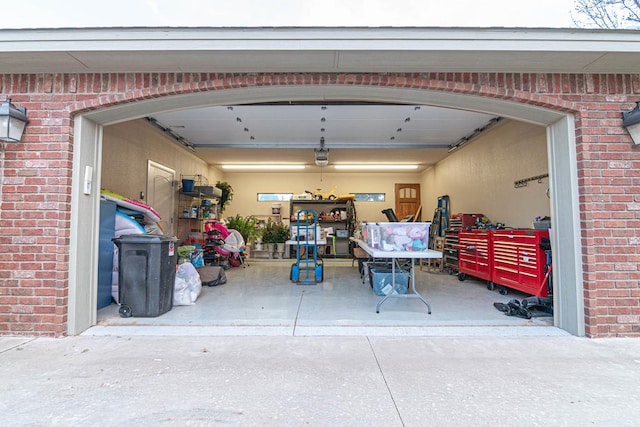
269 233
227 195
247 226
274 232
281 233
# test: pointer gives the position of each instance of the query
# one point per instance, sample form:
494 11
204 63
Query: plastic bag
197 258
187 286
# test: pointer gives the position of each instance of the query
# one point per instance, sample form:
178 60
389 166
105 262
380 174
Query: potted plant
247 226
281 233
227 195
269 236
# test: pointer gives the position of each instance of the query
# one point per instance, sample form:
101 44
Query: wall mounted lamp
13 120
631 122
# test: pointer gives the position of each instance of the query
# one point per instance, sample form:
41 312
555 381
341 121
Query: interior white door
161 194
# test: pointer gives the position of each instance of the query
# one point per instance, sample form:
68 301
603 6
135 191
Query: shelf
344 206
195 208
199 195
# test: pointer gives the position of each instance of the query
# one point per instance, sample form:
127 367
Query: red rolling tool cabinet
519 262
475 255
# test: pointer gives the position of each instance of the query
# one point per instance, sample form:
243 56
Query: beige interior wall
479 177
128 146
246 186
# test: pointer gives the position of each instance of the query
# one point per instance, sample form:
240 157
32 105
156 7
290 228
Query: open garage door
561 169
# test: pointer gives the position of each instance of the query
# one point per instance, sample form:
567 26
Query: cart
308 268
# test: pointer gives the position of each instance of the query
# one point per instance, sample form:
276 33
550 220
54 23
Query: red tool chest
474 254
518 261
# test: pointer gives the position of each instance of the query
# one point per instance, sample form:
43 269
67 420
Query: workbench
395 256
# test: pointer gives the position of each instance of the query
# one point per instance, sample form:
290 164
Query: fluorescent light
364 166
261 166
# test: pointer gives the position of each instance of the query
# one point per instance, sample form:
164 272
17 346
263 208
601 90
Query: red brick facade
35 216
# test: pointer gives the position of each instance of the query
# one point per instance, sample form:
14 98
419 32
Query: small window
370 197
274 197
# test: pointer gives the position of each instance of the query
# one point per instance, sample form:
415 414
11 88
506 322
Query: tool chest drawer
518 261
474 254
450 250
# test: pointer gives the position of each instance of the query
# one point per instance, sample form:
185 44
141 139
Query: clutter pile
527 308
145 272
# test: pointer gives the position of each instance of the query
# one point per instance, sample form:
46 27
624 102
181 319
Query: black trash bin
147 271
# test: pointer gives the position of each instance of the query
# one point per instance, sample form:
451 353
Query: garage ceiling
289 133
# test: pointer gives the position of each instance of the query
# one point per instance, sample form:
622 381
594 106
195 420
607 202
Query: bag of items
187 285
212 275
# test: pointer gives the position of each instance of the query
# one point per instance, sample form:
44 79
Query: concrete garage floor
261 300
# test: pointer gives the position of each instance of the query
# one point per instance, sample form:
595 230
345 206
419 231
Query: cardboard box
397 236
208 191
305 233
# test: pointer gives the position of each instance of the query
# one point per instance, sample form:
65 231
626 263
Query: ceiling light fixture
262 166
365 166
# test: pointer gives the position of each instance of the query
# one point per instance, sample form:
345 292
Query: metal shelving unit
195 207
327 217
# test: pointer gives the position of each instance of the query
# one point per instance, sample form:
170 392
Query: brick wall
36 176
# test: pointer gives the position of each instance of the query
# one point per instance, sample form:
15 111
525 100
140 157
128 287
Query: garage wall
41 185
247 185
128 146
479 177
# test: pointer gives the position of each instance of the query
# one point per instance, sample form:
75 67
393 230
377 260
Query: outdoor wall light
631 122
13 120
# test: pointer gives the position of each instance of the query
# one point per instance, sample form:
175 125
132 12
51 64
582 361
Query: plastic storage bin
397 236
147 271
382 281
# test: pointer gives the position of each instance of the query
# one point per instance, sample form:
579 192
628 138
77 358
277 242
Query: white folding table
395 255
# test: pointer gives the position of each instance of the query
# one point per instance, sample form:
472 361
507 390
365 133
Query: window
370 197
285 197
274 197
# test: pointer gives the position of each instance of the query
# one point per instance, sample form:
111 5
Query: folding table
395 255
